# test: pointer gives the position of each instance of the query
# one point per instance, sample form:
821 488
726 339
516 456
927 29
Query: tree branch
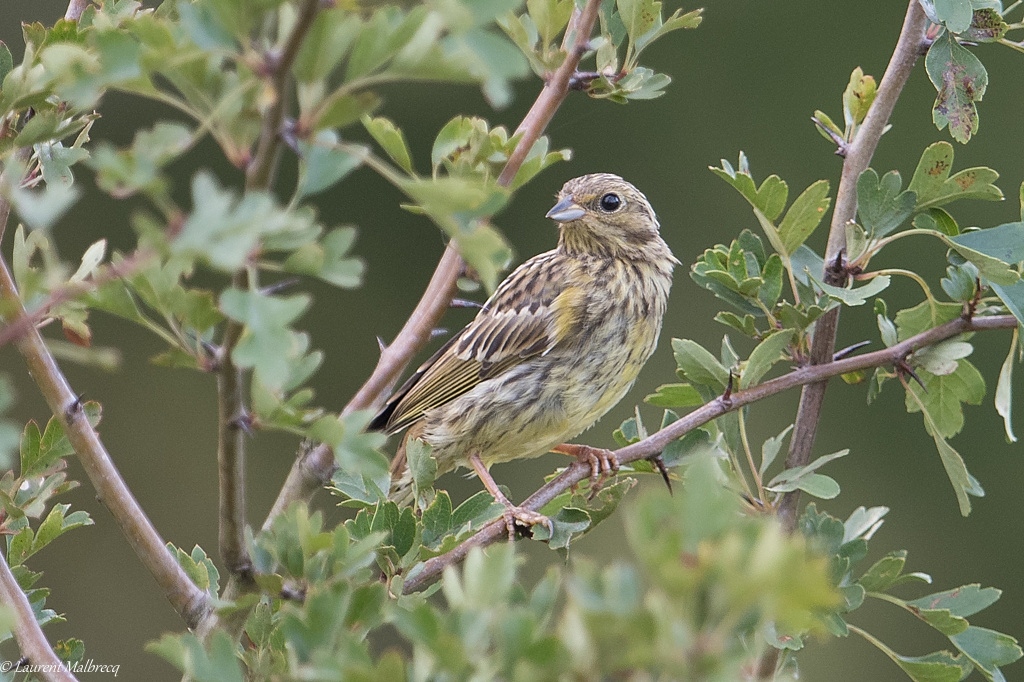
314 468
75 9
858 156
231 411
428 571
31 639
189 601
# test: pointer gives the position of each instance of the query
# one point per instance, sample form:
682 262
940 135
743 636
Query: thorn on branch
971 307
439 331
74 409
244 422
278 287
840 354
381 345
727 395
659 464
464 303
905 370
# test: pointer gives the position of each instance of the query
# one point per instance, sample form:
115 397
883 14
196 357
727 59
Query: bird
559 343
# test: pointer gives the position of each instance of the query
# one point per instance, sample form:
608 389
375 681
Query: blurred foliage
715 583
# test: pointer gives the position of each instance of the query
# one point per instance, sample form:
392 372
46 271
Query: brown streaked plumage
558 344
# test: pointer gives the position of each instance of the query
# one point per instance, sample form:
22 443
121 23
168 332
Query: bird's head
602 214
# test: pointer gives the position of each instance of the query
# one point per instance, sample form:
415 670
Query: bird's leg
526 517
603 463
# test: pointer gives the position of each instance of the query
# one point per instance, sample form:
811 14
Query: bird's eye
610 202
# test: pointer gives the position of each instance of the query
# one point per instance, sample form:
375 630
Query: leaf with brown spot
961 80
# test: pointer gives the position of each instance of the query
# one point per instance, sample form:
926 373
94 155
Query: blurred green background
749 78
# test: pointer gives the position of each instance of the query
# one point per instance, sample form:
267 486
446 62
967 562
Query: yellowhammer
559 343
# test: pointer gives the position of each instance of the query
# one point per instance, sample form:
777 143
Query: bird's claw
526 518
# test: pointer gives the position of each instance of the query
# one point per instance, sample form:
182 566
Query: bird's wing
530 312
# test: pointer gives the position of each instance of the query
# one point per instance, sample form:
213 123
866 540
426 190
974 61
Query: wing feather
508 329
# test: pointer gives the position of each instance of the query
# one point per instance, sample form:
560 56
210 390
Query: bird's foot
524 518
603 463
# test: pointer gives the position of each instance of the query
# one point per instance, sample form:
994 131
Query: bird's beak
565 211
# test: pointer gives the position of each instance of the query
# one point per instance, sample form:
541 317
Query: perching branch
858 156
427 572
26 630
189 601
313 469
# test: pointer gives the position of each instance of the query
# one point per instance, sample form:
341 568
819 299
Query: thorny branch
858 156
424 574
189 601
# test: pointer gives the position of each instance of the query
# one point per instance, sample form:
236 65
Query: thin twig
425 573
72 290
858 156
31 640
189 601
313 469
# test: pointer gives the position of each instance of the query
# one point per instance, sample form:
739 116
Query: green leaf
938 220
6 61
922 317
943 394
329 260
857 98
769 198
934 187
850 295
322 164
804 215
698 365
881 206
770 449
960 79
1004 390
187 653
953 14
941 359
422 465
267 344
1012 297
568 523
963 483
764 356
804 478
884 573
1004 242
675 395
987 649
963 601
391 139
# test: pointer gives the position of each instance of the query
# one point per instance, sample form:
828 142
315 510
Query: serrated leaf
770 198
322 163
963 601
884 573
267 344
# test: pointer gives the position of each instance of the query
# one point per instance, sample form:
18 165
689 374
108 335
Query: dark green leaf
881 205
